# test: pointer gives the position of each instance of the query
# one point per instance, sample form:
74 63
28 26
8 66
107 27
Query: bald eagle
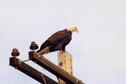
58 41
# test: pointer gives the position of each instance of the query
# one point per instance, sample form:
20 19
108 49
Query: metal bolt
60 63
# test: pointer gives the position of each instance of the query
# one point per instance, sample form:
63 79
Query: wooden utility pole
65 62
63 71
54 69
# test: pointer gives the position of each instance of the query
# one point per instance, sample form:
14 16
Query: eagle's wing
57 37
54 39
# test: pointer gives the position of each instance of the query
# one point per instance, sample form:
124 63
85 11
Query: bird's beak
77 30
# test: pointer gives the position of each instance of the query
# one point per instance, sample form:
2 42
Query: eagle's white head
72 29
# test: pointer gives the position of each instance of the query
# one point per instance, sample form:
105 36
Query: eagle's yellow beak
73 29
77 30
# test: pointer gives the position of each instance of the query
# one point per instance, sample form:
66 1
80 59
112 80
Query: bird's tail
43 51
38 50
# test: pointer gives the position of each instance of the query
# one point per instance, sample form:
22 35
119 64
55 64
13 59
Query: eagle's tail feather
44 51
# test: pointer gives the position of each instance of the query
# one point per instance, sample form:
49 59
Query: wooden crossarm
33 73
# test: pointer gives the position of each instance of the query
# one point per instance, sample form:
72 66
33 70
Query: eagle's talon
60 52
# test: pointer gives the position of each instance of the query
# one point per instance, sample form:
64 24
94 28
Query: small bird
58 41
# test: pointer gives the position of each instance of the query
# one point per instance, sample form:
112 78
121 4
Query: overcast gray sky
99 49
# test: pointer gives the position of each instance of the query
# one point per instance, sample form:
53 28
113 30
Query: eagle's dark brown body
57 41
